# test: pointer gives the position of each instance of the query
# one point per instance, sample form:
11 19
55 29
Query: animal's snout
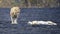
15 16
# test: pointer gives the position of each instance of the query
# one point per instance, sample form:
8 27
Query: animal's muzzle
14 16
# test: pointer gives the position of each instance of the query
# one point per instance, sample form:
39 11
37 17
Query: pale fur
41 22
14 11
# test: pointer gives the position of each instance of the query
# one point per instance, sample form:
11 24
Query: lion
14 13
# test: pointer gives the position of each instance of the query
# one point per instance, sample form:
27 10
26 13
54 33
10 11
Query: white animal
42 22
14 13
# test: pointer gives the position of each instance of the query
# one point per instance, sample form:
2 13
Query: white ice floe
42 22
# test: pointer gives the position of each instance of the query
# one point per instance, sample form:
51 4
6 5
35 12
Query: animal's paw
14 22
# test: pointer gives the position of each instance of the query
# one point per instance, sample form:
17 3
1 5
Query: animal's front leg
13 20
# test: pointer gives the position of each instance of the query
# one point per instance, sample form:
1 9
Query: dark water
31 14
